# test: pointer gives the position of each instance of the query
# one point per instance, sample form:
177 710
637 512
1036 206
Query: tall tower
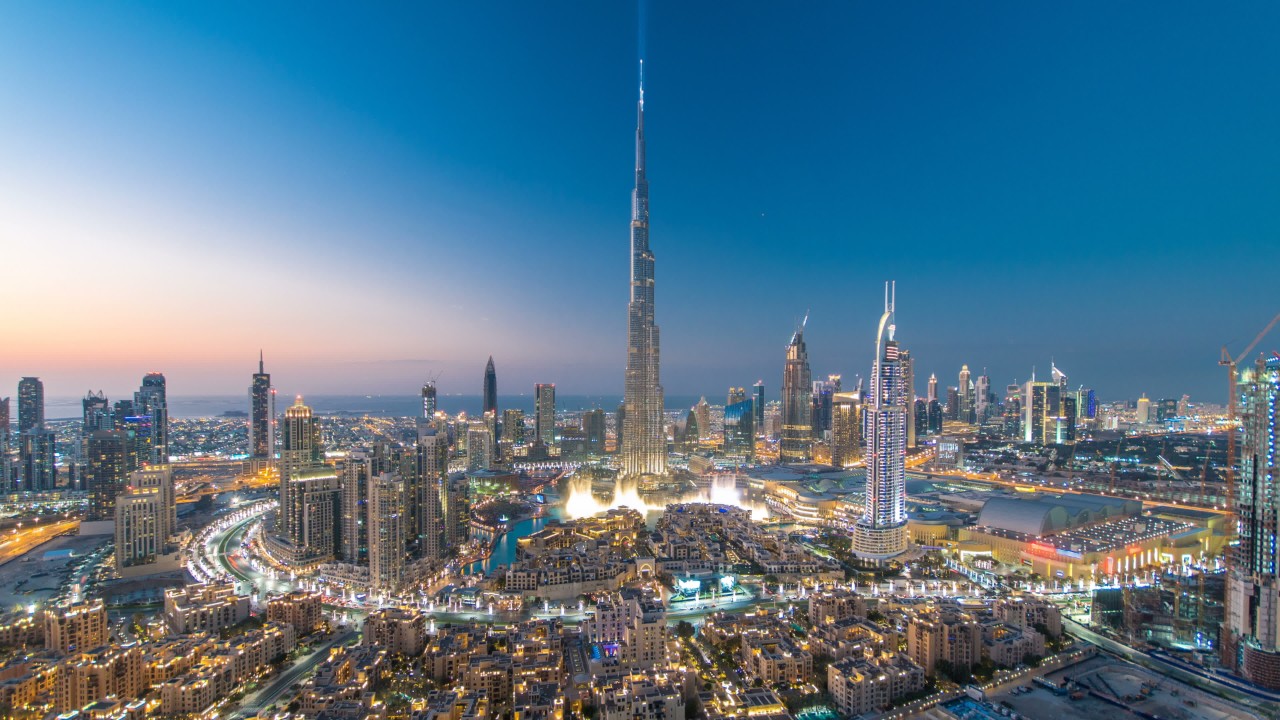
797 401
757 402
966 395
152 401
4 444
909 392
881 533
1251 631
544 419
30 404
644 439
387 531
300 451
490 388
96 413
262 440
933 388
982 397
429 403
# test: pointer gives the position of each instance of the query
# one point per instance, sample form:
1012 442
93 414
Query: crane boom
1257 340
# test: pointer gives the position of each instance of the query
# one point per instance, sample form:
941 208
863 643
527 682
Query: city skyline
387 204
761 163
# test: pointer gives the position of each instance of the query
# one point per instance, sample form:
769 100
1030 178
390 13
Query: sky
375 195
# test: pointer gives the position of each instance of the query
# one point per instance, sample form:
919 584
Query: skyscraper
933 388
513 426
736 395
846 429
909 389
5 471
965 387
758 407
982 397
1251 632
429 404
1036 406
431 496
387 529
797 413
96 413
262 436
593 428
881 533
823 390
152 401
479 445
1144 410
644 438
106 468
544 420
303 479
739 428
145 516
30 404
39 460
702 410
354 473
490 388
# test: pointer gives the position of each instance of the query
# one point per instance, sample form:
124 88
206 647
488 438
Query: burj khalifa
644 439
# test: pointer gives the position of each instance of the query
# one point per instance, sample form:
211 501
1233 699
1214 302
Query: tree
684 630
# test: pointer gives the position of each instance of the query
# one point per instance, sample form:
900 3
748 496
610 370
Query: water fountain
723 490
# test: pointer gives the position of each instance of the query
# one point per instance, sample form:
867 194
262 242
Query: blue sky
373 195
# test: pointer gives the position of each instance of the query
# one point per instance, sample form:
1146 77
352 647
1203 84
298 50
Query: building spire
260 366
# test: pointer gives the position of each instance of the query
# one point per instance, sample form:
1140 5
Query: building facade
796 443
881 533
644 436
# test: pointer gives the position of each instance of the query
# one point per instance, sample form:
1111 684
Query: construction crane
1230 364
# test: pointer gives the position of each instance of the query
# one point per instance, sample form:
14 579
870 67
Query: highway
1014 484
24 540
277 686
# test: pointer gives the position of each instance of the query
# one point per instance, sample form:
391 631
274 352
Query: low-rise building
401 631
76 628
204 608
861 685
299 608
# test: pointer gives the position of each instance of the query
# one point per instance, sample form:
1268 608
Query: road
1014 484
278 686
24 540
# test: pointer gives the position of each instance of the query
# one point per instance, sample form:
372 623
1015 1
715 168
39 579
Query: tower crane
1230 364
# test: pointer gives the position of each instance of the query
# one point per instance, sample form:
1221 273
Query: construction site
1179 612
1106 686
